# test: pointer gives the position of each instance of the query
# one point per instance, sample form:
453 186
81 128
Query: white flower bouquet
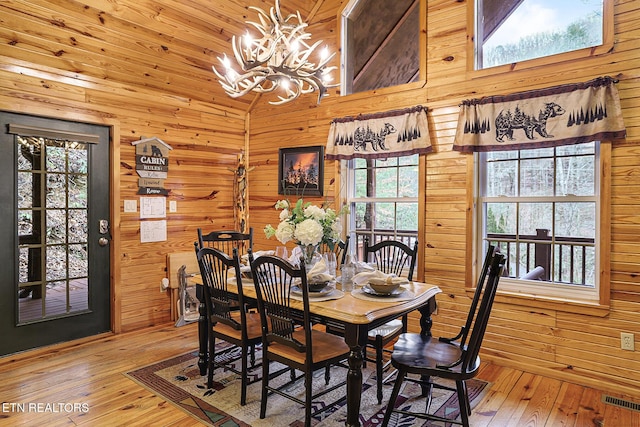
306 224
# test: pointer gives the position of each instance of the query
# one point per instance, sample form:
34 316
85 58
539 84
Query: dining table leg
354 334
203 332
425 316
425 329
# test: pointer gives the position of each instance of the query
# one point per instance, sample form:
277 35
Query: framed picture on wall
301 171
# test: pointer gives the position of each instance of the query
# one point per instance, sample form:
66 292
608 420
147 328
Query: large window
540 207
509 31
380 44
383 199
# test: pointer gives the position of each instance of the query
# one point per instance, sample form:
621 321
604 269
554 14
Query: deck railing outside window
408 237
567 260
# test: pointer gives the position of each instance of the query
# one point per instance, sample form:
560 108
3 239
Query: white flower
284 232
309 232
315 212
282 204
336 229
284 215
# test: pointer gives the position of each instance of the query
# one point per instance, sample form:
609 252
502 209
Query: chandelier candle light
280 58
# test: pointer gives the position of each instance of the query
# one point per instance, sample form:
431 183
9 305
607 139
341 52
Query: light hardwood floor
91 373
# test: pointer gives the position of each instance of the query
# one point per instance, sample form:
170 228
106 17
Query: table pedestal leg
203 337
354 387
425 329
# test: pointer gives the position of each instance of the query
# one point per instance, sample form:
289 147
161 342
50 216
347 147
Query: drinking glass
330 260
282 252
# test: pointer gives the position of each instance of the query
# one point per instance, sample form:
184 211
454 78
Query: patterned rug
178 380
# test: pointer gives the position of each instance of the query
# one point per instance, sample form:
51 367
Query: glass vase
310 256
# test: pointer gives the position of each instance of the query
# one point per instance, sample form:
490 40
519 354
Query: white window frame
587 52
348 171
534 288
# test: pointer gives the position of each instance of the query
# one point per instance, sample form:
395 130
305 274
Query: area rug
178 381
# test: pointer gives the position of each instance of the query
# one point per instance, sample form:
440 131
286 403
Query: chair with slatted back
390 257
287 333
455 358
226 241
237 327
341 249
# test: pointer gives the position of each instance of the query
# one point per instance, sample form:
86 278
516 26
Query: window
540 207
509 31
380 44
383 199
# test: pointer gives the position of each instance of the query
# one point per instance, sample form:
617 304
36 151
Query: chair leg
327 374
265 384
308 376
393 397
212 359
463 399
379 365
243 377
466 393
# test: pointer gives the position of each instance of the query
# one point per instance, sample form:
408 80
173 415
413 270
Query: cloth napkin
362 266
319 272
376 277
244 259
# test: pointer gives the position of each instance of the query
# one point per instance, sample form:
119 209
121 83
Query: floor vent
621 402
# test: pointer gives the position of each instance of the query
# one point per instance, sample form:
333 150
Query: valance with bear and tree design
560 115
379 135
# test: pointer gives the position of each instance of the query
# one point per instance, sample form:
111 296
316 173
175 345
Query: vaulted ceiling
196 32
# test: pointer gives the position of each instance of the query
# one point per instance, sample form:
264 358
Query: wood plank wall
136 67
574 347
144 70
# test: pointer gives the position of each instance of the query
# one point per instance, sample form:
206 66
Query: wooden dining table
355 316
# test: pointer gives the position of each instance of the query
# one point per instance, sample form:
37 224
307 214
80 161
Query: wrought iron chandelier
279 59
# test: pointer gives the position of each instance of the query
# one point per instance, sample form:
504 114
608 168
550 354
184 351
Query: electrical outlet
627 341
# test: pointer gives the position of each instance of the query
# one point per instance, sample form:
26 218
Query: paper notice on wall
153 207
153 231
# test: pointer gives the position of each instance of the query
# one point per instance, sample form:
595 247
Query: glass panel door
52 227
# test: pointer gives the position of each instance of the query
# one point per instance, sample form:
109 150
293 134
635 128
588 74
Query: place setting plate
367 289
296 290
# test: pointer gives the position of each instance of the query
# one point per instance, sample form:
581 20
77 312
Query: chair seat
388 329
325 347
421 354
254 327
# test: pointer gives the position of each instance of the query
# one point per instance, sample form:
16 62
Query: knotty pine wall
575 347
90 63
99 64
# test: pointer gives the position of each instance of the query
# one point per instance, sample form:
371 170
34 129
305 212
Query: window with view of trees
509 31
383 199
540 207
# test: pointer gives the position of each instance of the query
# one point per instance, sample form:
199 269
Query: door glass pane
52 228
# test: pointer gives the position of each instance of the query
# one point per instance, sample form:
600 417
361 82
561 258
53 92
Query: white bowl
383 287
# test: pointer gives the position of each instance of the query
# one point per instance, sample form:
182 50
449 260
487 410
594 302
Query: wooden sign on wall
152 165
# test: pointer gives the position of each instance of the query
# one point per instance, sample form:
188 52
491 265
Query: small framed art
301 171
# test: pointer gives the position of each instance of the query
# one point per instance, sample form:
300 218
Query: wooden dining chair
341 249
226 241
238 327
288 336
390 257
448 358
